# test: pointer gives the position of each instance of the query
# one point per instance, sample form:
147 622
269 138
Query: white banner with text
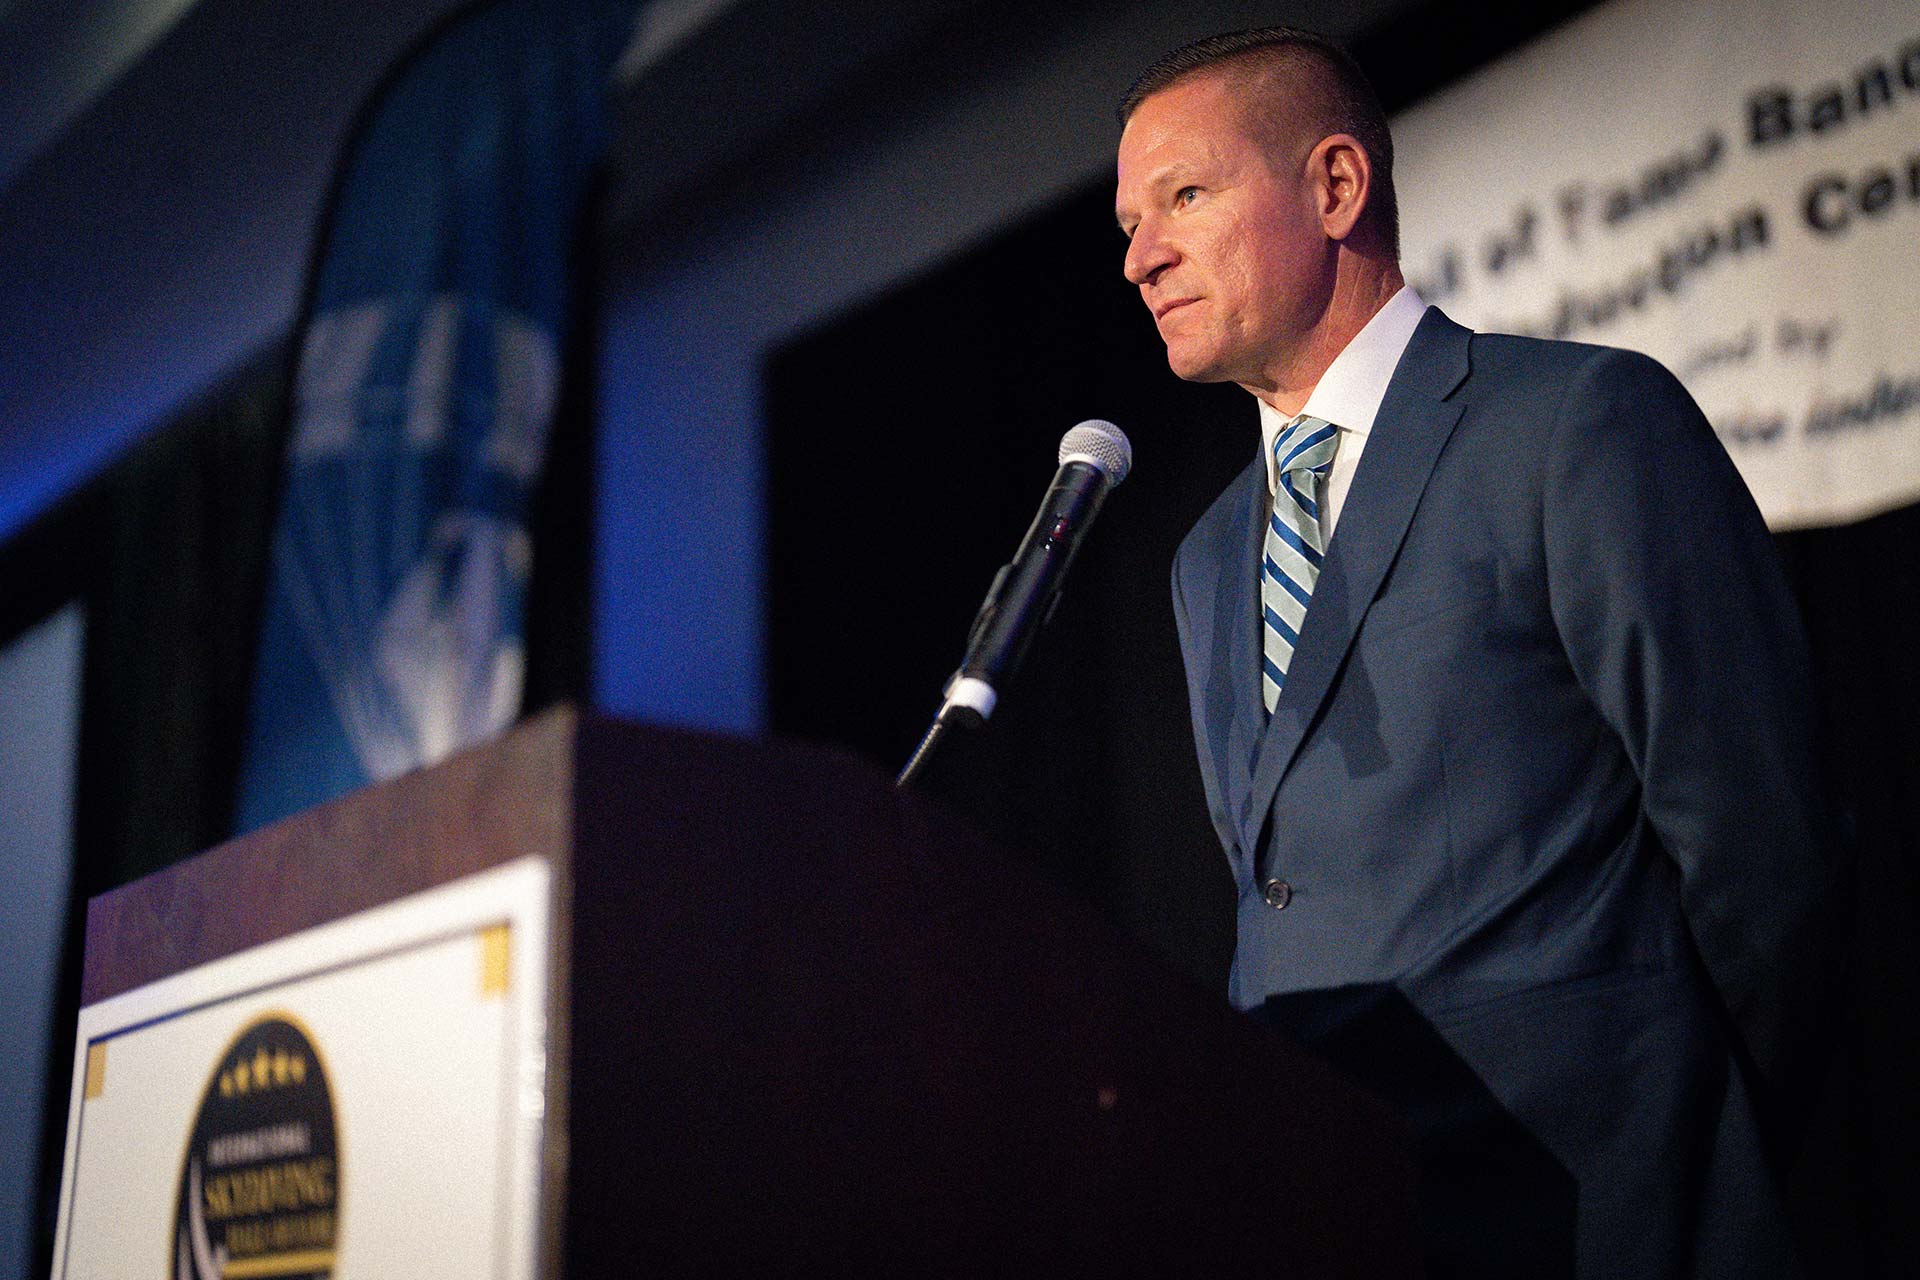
1731 186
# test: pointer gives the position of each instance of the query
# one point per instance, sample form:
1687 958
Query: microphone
1094 457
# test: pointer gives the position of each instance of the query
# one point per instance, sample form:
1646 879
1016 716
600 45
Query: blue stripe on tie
1301 447
1300 499
1294 589
1295 541
1287 633
1274 673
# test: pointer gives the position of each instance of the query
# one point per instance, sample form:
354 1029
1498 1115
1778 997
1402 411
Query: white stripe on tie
1294 547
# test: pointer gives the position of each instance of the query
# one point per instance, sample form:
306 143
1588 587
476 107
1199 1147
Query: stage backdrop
1732 186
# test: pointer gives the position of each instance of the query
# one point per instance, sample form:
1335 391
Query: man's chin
1194 367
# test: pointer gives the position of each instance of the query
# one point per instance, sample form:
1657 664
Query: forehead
1203 113
1194 131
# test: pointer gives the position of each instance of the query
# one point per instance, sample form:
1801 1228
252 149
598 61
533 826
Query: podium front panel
361 1098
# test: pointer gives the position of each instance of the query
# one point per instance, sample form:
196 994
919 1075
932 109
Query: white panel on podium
361 1099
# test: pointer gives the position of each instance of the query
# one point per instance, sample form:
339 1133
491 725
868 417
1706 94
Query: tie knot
1306 444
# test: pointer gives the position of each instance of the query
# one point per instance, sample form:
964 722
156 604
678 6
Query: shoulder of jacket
1514 355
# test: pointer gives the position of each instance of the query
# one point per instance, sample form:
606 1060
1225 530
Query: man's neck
1361 287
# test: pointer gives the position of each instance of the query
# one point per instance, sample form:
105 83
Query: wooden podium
798 1023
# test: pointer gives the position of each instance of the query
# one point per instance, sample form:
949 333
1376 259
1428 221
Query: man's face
1224 237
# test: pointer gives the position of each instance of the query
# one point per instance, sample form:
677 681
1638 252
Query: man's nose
1148 254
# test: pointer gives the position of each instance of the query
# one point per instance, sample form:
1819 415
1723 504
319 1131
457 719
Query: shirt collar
1349 393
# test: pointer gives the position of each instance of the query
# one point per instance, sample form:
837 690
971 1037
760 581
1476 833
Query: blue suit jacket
1542 763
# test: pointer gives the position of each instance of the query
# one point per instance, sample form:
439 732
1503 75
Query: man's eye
1186 195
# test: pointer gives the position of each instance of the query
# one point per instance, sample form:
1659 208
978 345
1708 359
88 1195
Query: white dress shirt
1349 394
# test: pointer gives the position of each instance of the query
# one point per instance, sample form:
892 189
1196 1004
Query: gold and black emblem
260 1185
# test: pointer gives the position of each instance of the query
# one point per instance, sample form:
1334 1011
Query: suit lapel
1415 420
1230 718
1246 717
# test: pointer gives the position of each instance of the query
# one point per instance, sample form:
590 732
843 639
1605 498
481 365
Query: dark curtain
1859 593
180 531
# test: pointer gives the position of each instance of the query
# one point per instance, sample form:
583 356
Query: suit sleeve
1668 596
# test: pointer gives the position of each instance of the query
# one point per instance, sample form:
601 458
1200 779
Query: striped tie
1301 456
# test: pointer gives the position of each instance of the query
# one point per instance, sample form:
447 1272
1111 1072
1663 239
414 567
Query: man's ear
1342 178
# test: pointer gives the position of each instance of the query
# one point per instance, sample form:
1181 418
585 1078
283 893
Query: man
1499 697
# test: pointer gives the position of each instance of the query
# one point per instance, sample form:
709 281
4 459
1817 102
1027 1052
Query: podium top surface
506 799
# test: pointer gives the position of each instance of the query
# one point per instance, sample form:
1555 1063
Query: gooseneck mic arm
1094 457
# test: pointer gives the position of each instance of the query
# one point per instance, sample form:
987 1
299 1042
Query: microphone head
1101 445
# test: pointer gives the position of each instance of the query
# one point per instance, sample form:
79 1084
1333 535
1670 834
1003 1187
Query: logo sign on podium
362 1099
259 1193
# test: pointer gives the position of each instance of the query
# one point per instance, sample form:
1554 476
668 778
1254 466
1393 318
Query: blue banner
429 367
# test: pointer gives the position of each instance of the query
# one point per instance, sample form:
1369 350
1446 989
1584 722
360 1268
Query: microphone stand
918 760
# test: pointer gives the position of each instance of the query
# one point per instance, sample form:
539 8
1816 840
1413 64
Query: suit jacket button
1278 894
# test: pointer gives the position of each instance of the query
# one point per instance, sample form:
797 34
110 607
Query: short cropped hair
1351 106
